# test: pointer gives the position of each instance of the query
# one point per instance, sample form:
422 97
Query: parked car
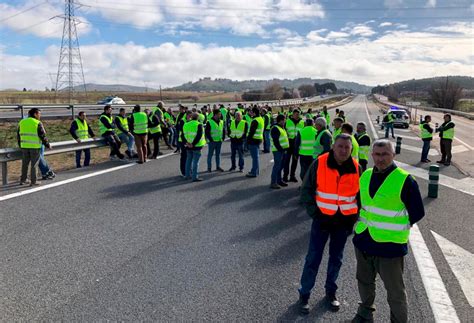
111 100
402 118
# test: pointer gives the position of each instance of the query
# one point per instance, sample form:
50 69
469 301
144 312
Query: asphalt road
142 244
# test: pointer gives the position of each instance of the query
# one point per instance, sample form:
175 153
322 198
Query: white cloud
362 30
43 20
394 56
430 4
385 24
392 4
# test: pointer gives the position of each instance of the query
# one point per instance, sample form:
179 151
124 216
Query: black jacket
107 124
253 128
445 126
308 192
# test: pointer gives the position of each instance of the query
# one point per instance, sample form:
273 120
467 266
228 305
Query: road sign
413 103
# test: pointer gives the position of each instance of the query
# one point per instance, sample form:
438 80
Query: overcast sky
169 42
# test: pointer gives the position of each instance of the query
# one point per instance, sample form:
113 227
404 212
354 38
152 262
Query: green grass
466 105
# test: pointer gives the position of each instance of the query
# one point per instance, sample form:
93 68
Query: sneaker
441 161
35 184
447 164
275 186
113 158
24 183
283 184
303 305
53 174
293 180
429 161
251 175
241 170
231 169
199 179
424 161
219 169
333 302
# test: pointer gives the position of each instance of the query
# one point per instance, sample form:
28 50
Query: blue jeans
192 157
425 150
266 141
172 136
278 158
214 147
317 243
234 149
388 126
128 140
43 164
254 153
87 157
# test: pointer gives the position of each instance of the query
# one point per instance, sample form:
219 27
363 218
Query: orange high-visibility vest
335 192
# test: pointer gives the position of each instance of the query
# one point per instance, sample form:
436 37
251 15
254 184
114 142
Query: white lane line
432 152
71 180
441 304
465 144
371 123
403 136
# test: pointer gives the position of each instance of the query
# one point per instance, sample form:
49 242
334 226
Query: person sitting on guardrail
107 131
45 170
124 134
80 130
31 135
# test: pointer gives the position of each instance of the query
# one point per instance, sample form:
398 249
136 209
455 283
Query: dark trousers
114 142
363 164
266 141
29 158
182 158
425 150
278 161
292 158
87 157
317 243
305 162
237 148
391 273
389 126
446 145
156 144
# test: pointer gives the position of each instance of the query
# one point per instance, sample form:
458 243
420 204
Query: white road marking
441 304
71 180
432 152
461 263
459 149
465 144
398 135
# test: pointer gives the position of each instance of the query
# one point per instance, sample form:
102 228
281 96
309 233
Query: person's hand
78 140
129 134
48 146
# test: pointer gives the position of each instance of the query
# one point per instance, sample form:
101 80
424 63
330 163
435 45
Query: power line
23 11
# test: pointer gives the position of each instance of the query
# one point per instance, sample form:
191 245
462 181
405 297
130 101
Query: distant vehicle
402 119
305 99
111 100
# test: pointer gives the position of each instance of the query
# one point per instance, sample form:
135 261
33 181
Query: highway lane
142 244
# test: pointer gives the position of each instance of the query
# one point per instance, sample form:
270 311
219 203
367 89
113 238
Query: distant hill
226 85
91 87
424 85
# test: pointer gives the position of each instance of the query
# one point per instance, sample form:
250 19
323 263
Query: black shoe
427 160
424 161
51 174
303 305
251 175
209 170
333 302
275 186
285 179
129 155
219 169
177 151
441 161
121 156
447 164
199 179
360 319
231 169
160 153
241 170
293 180
283 184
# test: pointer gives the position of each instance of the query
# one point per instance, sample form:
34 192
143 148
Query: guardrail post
433 181
4 173
71 106
398 148
378 119
421 118
22 111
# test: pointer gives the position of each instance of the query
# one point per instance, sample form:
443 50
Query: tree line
275 91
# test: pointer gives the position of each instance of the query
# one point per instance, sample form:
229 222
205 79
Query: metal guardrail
97 109
11 154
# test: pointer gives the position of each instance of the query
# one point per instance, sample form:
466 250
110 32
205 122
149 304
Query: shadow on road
294 249
292 314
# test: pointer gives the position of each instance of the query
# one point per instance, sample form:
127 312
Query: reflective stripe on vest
308 141
335 192
237 132
155 129
29 138
259 131
216 130
384 215
318 147
363 150
355 148
448 134
292 128
140 123
283 139
190 132
82 131
425 134
123 122
102 128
